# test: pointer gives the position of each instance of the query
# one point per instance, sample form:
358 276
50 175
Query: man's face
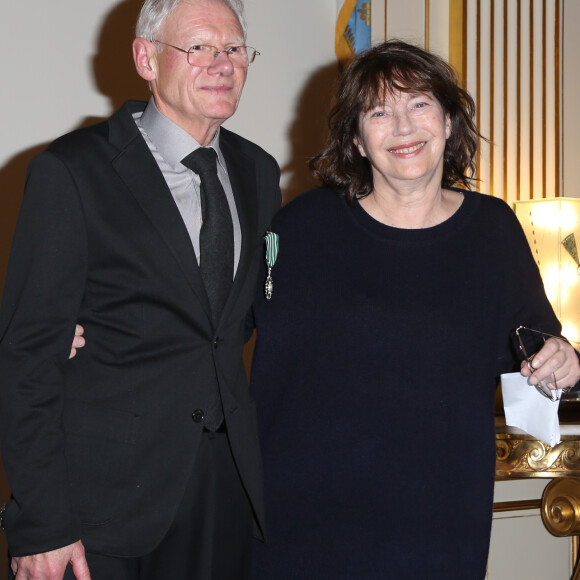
198 99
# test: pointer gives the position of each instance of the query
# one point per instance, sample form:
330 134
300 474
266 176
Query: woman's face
404 138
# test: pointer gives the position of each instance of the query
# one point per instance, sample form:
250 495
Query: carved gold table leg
561 512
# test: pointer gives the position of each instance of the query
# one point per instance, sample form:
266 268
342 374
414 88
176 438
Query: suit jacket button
216 341
198 416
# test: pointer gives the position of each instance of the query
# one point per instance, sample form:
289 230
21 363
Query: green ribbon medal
272 247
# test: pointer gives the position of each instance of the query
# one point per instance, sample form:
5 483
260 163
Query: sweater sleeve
525 302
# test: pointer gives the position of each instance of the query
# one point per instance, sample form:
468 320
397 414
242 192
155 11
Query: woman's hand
556 363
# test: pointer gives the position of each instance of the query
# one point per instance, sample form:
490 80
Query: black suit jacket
100 447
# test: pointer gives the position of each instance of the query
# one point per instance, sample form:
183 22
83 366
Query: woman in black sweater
394 304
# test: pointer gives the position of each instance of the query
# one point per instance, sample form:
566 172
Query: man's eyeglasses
522 333
204 55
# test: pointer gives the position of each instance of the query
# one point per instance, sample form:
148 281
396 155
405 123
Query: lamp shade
552 227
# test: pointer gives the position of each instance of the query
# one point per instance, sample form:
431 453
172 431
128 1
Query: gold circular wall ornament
561 506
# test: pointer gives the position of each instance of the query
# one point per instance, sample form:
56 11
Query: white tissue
528 410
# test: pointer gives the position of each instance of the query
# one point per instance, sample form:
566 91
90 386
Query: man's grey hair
154 12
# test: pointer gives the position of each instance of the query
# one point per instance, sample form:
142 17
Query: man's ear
145 58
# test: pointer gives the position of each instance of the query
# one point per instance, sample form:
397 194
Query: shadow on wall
115 77
307 135
309 130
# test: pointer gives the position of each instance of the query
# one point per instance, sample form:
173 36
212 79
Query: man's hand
78 340
51 565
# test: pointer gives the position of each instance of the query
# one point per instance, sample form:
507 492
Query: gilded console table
519 455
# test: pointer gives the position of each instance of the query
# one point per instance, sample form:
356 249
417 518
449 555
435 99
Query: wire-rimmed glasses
542 386
204 55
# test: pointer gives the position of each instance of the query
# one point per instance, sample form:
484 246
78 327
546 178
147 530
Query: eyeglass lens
205 55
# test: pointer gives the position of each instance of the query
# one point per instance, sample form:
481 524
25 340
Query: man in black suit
140 455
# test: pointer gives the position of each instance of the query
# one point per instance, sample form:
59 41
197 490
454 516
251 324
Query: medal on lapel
272 247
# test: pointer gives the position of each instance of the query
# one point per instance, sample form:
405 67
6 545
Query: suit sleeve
43 290
277 194
270 202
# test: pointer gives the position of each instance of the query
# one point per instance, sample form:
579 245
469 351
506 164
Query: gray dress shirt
169 144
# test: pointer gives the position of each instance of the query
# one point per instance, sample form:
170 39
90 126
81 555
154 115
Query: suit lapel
242 175
140 172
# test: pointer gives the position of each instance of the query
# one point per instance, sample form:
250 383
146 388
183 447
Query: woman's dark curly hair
390 67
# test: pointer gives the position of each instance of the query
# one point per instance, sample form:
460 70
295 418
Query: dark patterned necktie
216 238
216 248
